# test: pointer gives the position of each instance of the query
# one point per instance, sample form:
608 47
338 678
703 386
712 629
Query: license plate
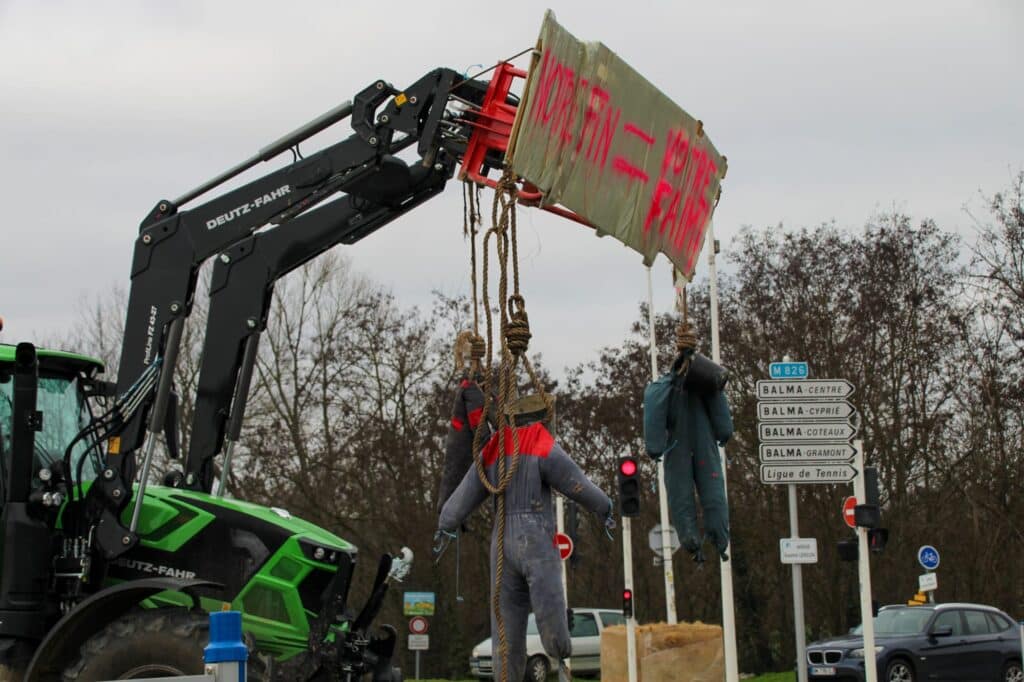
822 670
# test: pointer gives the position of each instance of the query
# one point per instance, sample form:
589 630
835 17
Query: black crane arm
242 285
173 243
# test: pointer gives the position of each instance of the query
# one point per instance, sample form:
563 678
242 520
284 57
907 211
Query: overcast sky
825 110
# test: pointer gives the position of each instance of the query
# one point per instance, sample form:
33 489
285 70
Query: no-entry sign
564 544
848 515
418 625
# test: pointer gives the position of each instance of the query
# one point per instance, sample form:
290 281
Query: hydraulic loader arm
173 243
242 286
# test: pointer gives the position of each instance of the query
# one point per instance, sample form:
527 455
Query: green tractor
105 576
145 615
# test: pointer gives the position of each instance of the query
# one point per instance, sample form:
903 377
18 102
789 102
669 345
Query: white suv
587 625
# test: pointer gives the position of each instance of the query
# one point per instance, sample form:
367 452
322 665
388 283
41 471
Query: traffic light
627 603
848 550
867 515
629 486
877 538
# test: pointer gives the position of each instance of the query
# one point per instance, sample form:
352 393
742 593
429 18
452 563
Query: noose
513 342
686 337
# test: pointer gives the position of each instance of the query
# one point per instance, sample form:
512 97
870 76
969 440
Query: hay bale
685 652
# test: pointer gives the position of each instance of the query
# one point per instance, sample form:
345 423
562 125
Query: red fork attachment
492 129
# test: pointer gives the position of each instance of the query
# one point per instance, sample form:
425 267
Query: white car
587 625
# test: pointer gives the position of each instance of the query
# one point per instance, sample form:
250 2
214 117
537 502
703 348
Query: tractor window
64 415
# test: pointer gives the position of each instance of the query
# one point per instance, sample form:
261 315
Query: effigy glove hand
609 523
442 538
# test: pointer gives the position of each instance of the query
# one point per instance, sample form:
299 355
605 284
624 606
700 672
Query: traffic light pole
627 565
666 529
864 570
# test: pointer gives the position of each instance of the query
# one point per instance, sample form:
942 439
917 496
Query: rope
686 336
513 343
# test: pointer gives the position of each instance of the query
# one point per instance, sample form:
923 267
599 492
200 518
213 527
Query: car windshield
531 626
909 621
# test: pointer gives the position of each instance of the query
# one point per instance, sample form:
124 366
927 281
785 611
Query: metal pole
864 570
931 594
417 664
560 525
627 563
666 533
798 593
728 602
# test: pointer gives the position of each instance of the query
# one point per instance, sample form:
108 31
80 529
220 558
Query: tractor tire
144 643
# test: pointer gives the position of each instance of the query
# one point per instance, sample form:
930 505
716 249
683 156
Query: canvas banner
598 138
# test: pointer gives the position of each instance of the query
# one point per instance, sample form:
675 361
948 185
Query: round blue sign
928 557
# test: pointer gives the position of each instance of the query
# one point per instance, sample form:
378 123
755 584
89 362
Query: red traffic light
627 594
627 603
627 465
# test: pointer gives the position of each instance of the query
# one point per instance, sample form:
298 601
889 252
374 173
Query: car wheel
899 670
537 669
1012 672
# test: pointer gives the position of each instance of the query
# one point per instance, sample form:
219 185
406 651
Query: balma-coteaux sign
595 136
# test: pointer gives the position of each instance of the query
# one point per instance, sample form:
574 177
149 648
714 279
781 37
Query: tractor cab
66 380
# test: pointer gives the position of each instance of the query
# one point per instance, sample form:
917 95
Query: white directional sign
804 389
927 582
806 431
797 453
826 472
818 409
419 642
798 550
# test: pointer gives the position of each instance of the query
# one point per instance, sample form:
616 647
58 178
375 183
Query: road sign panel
419 642
798 550
654 539
806 431
775 410
807 473
418 625
798 453
928 557
805 389
927 582
849 504
564 544
418 604
788 370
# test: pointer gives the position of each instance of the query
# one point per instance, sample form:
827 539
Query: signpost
805 428
564 544
849 504
928 557
419 640
798 550
654 539
928 582
826 472
418 604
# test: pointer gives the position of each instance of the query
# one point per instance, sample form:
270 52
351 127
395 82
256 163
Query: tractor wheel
140 644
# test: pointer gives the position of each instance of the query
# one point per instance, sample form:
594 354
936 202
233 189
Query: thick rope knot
517 330
477 348
686 337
